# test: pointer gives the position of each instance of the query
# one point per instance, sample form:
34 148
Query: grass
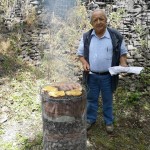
29 143
124 138
20 90
127 135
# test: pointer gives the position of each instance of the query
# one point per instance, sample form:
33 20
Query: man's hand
123 61
86 67
85 64
123 65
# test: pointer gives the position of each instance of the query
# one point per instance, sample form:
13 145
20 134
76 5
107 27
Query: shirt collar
106 34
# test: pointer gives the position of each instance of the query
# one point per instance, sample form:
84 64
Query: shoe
110 128
89 125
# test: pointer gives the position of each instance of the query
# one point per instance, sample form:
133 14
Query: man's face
99 22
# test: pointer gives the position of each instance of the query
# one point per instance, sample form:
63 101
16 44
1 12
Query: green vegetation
29 144
6 4
116 18
141 32
20 93
7 145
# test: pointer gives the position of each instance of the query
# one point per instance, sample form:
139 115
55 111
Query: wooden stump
64 120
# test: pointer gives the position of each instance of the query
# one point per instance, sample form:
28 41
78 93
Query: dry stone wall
33 16
24 19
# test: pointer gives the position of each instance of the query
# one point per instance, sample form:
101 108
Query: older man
99 49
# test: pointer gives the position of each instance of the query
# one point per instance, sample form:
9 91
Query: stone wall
27 24
34 17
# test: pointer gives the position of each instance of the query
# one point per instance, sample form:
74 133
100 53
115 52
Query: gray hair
101 10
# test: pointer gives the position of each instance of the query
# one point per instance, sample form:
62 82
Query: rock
24 52
129 56
2 59
131 47
38 63
101 3
95 6
130 60
130 4
148 88
3 117
35 2
136 43
148 56
141 60
114 8
132 87
138 56
5 109
26 58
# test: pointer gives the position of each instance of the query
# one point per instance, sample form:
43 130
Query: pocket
109 54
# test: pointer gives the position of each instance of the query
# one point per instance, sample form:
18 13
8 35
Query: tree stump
64 121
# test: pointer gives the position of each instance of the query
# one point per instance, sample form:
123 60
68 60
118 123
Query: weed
26 143
116 17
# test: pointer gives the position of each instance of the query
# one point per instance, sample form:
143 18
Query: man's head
99 21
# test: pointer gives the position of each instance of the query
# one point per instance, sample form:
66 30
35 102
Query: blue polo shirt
100 51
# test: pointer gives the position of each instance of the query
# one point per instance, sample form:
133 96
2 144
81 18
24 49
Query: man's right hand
85 64
86 67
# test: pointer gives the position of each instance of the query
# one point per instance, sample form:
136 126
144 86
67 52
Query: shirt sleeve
80 51
123 48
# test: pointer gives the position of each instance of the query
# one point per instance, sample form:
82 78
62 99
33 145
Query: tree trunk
64 122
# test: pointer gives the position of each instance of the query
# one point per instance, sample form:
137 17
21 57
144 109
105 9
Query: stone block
130 60
137 56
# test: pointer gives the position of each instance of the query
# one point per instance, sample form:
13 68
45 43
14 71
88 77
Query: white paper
119 69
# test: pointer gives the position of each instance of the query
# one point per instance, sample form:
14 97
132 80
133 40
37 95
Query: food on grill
63 89
57 93
67 86
74 93
50 88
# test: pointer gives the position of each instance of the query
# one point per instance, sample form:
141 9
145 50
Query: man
99 49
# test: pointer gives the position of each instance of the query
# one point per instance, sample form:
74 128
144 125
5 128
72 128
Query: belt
101 73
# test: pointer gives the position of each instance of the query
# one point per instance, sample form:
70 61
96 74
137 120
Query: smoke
59 54
59 8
